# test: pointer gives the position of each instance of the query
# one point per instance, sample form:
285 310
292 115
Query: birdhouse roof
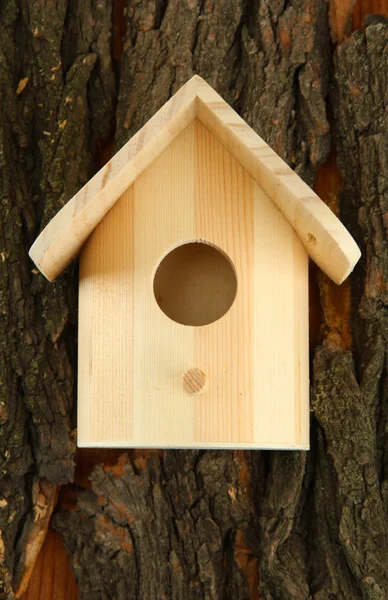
325 238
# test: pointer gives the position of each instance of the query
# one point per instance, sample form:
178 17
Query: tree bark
193 524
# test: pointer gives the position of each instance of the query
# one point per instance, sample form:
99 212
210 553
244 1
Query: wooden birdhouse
193 302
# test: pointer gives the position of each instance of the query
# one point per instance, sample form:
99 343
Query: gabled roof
326 240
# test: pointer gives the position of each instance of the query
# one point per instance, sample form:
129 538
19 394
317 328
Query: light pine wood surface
135 362
327 241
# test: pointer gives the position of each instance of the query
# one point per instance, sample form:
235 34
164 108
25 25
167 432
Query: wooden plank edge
129 445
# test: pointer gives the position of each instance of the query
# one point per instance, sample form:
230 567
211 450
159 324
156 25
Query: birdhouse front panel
193 315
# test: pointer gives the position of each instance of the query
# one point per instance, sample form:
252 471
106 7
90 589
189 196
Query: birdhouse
193 287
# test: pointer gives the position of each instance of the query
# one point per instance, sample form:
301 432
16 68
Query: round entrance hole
195 284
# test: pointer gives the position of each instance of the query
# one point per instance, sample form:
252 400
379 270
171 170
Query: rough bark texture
57 92
179 524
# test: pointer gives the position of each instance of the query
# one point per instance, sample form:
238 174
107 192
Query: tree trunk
194 524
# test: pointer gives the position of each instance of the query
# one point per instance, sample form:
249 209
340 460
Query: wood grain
52 578
133 358
325 238
365 7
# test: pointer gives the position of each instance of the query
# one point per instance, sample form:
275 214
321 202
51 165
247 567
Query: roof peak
326 239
